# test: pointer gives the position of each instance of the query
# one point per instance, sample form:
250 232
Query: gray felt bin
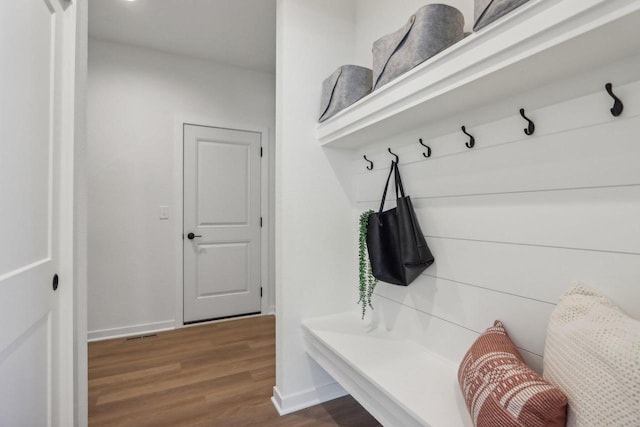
430 30
487 11
345 86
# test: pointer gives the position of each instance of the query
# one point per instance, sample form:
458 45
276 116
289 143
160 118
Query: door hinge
260 291
260 222
260 151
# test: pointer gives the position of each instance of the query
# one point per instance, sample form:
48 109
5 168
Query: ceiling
240 33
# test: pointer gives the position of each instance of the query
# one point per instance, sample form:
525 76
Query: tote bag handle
386 187
398 182
395 170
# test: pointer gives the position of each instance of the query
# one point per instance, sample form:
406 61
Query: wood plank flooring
220 374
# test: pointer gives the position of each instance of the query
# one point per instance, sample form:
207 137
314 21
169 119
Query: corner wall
316 215
135 97
315 245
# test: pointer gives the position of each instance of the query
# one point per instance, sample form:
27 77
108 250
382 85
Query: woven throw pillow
502 391
592 352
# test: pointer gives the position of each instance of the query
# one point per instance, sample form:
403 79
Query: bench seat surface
379 368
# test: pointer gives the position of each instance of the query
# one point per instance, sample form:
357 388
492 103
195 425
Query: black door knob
192 236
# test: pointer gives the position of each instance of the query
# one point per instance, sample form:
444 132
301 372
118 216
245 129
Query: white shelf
539 43
398 381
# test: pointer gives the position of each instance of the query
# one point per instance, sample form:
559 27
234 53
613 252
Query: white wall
135 97
515 220
315 245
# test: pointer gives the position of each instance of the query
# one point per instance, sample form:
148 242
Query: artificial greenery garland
367 281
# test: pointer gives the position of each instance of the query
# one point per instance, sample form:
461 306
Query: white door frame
71 398
178 208
70 403
78 309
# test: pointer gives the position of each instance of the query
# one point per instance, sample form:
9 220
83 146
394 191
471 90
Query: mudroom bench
400 382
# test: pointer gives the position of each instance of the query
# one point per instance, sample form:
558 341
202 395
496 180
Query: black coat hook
617 108
472 140
395 155
370 162
532 127
428 153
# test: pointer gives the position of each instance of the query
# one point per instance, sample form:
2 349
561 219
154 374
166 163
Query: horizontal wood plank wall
515 220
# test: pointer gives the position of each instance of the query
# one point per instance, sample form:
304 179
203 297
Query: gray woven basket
487 11
430 30
345 86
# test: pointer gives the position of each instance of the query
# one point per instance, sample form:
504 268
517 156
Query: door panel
222 208
25 126
226 165
227 262
25 356
31 85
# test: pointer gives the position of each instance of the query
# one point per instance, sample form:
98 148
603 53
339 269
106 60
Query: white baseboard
295 402
127 331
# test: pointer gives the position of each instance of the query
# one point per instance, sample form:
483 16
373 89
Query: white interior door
221 222
34 208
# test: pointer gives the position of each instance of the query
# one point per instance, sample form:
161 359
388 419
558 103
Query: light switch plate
164 212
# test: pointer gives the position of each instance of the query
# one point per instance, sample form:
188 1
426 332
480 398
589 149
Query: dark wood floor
220 374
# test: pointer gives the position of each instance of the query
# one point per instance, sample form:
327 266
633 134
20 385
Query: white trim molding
127 331
314 396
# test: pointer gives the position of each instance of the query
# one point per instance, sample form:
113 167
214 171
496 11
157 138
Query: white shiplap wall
513 221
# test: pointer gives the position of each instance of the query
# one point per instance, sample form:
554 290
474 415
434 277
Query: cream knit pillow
592 353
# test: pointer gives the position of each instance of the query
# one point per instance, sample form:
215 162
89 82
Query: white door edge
80 355
71 396
177 209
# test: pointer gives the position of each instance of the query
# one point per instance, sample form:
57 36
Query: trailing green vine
366 279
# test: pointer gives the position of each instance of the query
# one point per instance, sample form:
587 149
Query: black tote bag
397 249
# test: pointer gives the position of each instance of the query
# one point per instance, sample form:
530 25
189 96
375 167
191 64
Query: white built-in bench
400 382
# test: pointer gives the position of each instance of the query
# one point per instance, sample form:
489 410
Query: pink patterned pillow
502 391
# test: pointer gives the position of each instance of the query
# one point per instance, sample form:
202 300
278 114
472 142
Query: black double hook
428 153
395 155
618 106
531 128
370 167
472 140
